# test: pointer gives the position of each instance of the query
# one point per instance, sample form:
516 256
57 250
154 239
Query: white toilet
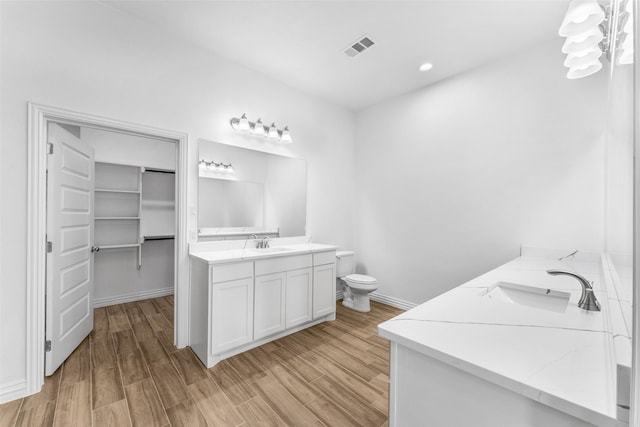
355 287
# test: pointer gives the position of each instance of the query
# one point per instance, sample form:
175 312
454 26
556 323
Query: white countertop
561 359
218 256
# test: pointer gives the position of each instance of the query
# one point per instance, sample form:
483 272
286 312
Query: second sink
530 296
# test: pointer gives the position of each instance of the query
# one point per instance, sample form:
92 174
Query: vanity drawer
234 271
282 263
321 258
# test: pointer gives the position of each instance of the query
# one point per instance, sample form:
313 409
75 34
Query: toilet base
359 302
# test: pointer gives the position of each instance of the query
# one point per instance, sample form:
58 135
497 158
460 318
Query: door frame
38 118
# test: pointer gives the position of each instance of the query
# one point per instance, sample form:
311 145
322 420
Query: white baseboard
136 296
13 390
384 299
393 302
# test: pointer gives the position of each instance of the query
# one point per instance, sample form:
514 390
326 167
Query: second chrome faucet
588 300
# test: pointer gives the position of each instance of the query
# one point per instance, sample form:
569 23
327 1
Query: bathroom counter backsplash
225 251
562 357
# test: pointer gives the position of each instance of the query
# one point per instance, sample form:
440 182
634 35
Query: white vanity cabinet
236 306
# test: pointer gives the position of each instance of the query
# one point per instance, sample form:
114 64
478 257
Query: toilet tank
345 263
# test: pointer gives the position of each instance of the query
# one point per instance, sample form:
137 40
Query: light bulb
230 168
426 66
286 135
258 128
273 132
582 16
580 59
243 124
584 71
582 42
202 163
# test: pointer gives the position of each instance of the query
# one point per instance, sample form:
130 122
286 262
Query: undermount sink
270 250
529 296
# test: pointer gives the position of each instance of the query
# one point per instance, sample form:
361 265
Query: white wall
454 178
88 57
619 165
120 148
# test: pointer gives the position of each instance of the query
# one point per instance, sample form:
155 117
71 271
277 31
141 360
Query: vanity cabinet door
298 297
231 314
324 290
269 304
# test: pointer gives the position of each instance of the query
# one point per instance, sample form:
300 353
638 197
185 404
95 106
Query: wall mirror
243 192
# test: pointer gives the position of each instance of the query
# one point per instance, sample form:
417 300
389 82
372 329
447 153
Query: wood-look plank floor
128 373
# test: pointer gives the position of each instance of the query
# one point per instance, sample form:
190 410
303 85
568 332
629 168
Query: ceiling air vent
359 46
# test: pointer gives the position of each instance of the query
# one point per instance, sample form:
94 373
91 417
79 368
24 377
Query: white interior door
69 301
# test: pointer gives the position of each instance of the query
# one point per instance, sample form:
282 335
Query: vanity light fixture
594 28
258 128
587 29
216 167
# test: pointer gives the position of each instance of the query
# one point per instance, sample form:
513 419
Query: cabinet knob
95 248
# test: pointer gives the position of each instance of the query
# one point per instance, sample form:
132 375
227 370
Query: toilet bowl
355 287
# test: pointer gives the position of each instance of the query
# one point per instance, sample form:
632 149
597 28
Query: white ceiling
301 42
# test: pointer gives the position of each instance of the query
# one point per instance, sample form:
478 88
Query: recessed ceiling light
426 66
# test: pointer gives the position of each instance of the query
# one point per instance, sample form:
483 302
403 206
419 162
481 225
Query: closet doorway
107 225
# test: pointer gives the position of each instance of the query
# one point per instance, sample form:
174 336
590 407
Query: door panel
269 305
70 183
232 314
298 304
324 290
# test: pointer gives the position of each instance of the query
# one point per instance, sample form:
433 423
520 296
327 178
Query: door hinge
47 345
50 147
49 247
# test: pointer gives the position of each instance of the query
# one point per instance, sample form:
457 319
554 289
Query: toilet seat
360 278
360 281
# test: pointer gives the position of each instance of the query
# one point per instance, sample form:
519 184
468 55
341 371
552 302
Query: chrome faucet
261 244
588 300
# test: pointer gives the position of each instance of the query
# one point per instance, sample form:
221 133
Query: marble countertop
218 256
562 359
